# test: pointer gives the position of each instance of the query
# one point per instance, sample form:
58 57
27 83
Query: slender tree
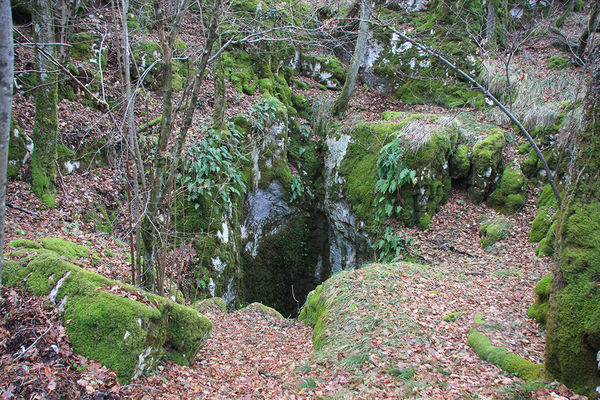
6 89
43 160
341 103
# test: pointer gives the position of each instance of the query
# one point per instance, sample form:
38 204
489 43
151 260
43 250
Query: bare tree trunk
220 100
341 103
43 160
490 32
136 171
585 35
6 89
150 224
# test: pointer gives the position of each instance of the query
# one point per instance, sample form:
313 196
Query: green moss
66 249
493 230
485 161
82 46
546 197
125 335
187 328
452 316
43 159
543 287
558 63
460 164
439 93
539 309
315 313
26 243
541 223
279 171
501 357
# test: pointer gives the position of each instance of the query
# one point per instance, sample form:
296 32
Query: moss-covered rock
573 323
509 195
412 75
501 357
146 53
493 230
539 309
460 163
326 71
426 155
486 159
126 335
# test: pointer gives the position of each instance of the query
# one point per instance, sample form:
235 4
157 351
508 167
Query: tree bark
43 160
573 324
585 35
6 89
220 100
341 103
490 31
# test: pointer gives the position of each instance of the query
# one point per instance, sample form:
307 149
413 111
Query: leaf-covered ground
389 339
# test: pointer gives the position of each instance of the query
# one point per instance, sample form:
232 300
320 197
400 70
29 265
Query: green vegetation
485 164
558 63
539 309
500 356
509 196
492 230
125 335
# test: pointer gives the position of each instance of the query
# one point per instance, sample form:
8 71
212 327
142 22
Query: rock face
104 322
573 322
349 246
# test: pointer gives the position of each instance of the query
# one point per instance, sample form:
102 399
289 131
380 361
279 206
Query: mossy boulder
486 160
327 71
460 163
409 73
102 318
510 192
426 154
573 323
493 230
501 357
543 228
539 309
146 53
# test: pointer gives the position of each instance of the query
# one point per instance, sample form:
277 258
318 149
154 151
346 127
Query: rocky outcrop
124 329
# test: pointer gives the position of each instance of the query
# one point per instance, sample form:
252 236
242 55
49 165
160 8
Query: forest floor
252 355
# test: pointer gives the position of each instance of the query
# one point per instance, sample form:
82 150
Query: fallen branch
33 344
22 209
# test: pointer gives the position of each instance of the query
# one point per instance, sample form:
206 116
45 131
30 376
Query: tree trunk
6 89
573 326
132 140
490 32
43 160
220 91
341 103
585 35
